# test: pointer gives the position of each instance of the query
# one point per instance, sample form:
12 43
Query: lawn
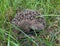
50 36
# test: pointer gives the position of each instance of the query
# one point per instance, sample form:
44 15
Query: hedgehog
29 20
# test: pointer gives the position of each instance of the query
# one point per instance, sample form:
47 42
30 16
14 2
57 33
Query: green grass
49 8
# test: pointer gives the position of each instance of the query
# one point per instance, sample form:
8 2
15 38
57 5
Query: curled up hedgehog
29 20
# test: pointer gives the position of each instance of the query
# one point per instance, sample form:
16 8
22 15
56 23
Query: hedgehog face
37 25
